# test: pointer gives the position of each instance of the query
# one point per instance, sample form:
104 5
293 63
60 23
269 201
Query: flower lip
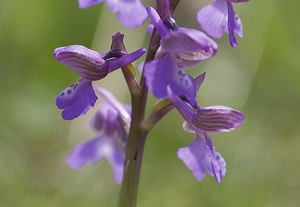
76 100
96 149
201 157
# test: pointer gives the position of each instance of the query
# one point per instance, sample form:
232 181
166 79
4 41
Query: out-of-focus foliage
261 77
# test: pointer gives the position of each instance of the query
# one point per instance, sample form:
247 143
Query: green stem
134 155
137 133
136 139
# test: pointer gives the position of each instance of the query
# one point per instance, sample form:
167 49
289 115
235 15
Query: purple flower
201 155
91 66
131 13
190 44
212 18
180 48
107 121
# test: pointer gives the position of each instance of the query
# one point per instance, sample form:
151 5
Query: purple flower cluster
172 50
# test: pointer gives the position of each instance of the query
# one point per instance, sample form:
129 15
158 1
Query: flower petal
87 3
191 44
217 119
93 151
208 119
157 22
213 17
86 152
77 99
131 13
199 80
116 63
87 63
168 72
201 155
195 158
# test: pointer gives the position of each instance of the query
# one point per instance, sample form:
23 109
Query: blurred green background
260 77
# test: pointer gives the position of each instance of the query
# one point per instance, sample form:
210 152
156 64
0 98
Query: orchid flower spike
213 17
